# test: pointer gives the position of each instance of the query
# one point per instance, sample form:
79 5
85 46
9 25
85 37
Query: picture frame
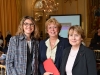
66 21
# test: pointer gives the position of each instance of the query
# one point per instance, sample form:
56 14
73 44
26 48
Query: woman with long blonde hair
22 55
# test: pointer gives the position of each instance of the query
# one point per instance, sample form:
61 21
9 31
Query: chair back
2 70
97 53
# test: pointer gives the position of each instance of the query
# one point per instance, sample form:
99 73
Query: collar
23 36
47 42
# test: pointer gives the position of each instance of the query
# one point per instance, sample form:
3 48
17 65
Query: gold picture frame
93 17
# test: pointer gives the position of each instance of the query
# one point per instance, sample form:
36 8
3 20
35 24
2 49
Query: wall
76 7
26 8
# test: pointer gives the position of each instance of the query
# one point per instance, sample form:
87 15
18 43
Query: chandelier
38 16
49 6
46 6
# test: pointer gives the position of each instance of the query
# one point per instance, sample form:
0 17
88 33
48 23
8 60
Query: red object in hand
49 66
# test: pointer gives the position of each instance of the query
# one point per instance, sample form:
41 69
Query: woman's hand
48 73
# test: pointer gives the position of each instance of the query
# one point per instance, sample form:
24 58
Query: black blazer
85 62
63 43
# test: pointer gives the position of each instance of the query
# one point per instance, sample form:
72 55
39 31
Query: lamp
38 16
49 6
46 6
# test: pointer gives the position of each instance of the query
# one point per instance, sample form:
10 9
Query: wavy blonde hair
20 30
54 21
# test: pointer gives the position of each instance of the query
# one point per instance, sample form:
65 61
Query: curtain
10 14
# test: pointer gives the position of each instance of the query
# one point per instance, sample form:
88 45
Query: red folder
49 66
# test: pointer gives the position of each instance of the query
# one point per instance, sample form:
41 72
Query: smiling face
28 27
52 27
74 38
52 30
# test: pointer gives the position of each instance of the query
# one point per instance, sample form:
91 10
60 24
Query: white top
29 44
70 61
50 53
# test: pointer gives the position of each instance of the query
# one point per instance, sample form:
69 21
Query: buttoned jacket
85 62
63 43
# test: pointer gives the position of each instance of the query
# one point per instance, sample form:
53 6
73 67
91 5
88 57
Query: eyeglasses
27 24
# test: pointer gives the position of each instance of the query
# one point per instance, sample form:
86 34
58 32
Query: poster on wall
67 21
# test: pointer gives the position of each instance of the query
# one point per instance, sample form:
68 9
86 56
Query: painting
94 17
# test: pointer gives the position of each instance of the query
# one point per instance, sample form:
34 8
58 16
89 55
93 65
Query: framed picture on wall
67 21
93 17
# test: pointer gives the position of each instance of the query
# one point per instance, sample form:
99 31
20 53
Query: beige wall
27 7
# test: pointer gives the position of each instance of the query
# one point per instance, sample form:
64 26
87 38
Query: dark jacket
95 42
7 38
85 62
63 43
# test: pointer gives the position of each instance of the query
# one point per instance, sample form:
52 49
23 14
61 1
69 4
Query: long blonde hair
20 30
